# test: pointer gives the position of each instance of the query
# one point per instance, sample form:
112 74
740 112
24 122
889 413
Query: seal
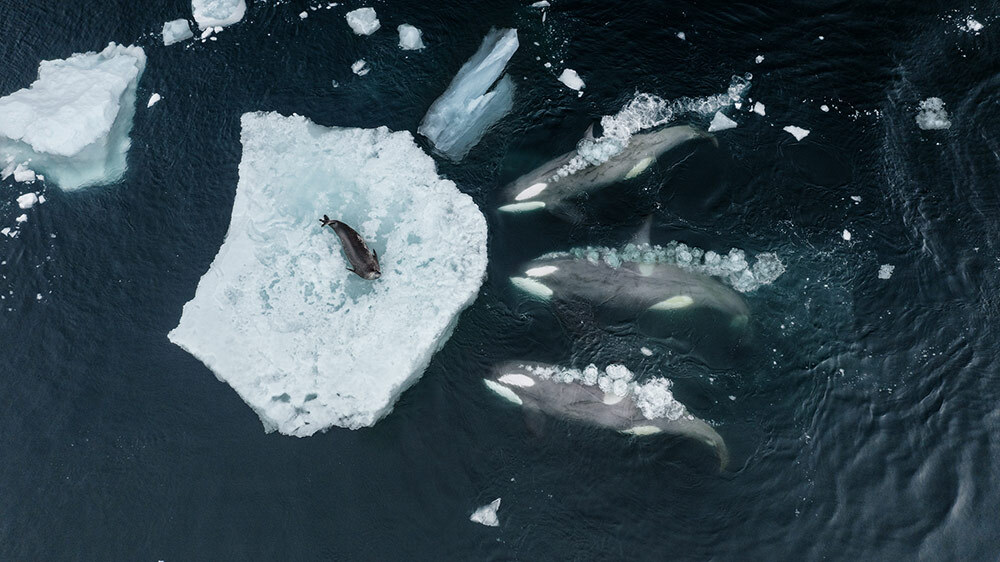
364 261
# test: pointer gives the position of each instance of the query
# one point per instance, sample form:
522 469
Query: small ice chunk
758 108
303 15
41 199
720 123
885 271
23 174
971 25
21 218
176 31
759 59
798 132
363 21
541 4
304 342
360 67
218 13
153 99
487 515
73 122
682 36
460 117
6 232
571 79
410 38
646 351
27 200
932 115
824 108
856 198
846 235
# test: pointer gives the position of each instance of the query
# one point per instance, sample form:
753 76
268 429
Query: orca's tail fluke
325 221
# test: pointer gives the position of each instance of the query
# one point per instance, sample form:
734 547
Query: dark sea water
862 423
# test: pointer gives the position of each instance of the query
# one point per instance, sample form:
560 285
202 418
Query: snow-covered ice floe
306 343
363 21
932 115
73 122
176 31
218 13
458 119
410 38
798 132
487 514
360 67
571 80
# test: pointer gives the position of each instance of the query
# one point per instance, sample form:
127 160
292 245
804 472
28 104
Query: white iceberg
487 514
721 123
798 132
885 271
73 122
24 174
410 38
306 343
363 21
27 200
758 108
218 13
176 31
153 99
360 67
458 119
571 79
932 115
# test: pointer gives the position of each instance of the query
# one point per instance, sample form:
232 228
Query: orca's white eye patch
531 191
517 379
503 391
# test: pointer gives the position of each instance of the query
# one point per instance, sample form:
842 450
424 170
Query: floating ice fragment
73 122
21 218
306 343
360 67
410 38
932 115
720 123
487 514
458 119
303 15
363 21
759 59
176 31
27 200
153 99
758 108
682 36
218 13
856 198
541 4
23 174
885 271
824 108
798 132
646 351
571 79
970 25
846 235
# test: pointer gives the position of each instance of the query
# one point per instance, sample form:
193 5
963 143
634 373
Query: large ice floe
458 119
306 343
72 124
176 31
218 13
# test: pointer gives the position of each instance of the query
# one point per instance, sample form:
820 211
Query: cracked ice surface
304 342
73 122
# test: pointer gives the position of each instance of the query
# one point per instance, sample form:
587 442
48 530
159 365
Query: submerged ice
73 122
176 31
218 13
458 119
304 342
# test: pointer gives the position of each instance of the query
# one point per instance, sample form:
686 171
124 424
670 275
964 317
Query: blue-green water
862 423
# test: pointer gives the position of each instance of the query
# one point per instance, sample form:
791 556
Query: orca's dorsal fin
641 237
589 133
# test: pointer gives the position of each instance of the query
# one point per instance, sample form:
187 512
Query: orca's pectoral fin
351 270
375 255
535 421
